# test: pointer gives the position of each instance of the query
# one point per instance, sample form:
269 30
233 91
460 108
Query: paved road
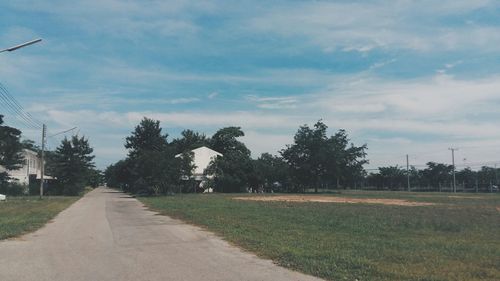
108 235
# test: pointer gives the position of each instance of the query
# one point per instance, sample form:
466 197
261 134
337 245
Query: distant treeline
313 160
435 177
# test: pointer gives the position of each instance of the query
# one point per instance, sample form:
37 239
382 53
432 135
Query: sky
404 77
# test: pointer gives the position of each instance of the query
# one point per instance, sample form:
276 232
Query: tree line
434 177
313 160
70 165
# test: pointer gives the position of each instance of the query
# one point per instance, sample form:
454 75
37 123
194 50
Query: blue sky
405 77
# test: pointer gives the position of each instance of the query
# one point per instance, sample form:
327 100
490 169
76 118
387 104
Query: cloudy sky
405 77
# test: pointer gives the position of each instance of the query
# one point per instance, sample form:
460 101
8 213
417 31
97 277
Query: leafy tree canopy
146 136
73 163
10 147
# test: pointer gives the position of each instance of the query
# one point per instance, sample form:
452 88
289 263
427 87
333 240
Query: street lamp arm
21 45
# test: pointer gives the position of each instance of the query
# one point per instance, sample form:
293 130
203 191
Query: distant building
31 167
202 156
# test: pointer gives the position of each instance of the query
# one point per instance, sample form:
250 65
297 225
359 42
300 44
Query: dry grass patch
333 199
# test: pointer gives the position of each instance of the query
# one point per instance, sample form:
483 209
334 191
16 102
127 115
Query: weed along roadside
452 239
20 215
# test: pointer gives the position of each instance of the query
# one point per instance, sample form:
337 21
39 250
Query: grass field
19 215
458 238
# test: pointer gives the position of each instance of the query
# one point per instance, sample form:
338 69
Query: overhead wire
16 112
19 106
19 121
15 108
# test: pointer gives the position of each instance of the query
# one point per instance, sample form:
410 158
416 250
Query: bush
13 188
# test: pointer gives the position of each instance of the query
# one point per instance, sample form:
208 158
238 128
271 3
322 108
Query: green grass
19 215
457 239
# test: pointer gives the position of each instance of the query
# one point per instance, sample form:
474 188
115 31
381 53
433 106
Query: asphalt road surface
108 235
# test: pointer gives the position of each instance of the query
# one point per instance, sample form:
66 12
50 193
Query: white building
31 166
202 156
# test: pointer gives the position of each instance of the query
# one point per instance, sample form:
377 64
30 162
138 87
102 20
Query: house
30 168
202 156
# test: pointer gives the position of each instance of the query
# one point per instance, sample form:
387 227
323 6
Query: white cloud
274 102
362 27
213 95
438 97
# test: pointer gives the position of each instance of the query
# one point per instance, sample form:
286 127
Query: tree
272 173
307 156
345 160
151 166
189 140
95 178
119 175
393 177
226 141
467 177
10 151
29 144
186 169
316 159
10 147
437 174
73 161
233 171
147 136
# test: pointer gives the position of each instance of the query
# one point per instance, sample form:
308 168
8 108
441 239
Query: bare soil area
333 199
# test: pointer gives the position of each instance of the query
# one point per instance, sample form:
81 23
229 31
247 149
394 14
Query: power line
11 104
5 104
15 111
62 132
19 106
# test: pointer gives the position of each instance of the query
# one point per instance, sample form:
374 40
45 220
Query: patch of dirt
498 209
467 197
333 199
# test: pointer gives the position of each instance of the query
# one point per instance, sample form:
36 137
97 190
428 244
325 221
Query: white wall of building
31 166
202 157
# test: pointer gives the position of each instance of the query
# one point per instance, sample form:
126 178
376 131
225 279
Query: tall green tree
151 166
345 160
10 151
147 136
316 159
437 175
394 177
73 163
307 156
226 141
189 140
186 169
234 170
119 175
10 147
272 173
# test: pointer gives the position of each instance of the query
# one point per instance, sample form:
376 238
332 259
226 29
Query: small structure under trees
201 158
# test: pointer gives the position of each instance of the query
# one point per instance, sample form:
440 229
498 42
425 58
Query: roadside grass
457 239
19 215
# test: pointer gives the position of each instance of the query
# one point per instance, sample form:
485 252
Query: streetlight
21 45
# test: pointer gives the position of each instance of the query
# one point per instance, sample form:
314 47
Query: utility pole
42 164
408 172
453 162
496 175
